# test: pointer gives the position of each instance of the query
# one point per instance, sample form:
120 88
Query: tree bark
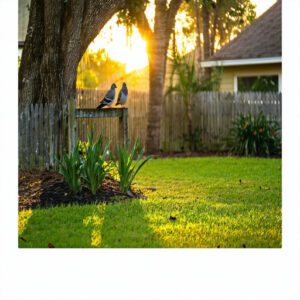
158 42
198 40
29 73
206 35
216 21
58 34
157 65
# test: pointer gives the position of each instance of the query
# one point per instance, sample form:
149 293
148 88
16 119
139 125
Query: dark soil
47 189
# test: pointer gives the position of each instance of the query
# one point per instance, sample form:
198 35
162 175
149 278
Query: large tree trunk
58 34
157 65
158 46
29 73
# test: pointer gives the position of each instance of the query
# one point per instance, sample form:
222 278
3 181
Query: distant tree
96 68
222 20
198 38
217 22
87 79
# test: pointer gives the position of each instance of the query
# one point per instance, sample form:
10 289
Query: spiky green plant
127 163
93 167
70 169
256 136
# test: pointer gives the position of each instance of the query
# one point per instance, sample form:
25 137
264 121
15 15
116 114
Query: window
258 83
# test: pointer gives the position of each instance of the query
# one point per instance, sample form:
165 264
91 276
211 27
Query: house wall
229 76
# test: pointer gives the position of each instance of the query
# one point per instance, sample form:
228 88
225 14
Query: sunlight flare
128 50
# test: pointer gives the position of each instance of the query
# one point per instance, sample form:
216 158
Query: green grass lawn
217 202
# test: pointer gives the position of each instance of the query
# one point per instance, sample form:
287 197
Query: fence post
72 124
123 126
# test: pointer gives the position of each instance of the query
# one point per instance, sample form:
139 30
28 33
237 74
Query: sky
262 5
132 51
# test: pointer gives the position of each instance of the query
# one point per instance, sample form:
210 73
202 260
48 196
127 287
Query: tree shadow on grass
124 226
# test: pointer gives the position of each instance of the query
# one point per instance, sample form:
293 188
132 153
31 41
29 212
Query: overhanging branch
144 26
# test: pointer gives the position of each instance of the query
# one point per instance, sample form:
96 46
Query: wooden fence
43 135
43 130
213 114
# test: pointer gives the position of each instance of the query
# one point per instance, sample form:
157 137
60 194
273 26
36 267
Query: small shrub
70 169
127 164
93 167
256 136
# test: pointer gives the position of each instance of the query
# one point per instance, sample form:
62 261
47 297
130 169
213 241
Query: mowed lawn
213 202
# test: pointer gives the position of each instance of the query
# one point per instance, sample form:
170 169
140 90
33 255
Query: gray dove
108 98
123 95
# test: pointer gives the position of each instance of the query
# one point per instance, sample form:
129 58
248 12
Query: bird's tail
99 106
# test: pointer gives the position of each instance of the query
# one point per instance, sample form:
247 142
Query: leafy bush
93 167
70 169
127 164
256 136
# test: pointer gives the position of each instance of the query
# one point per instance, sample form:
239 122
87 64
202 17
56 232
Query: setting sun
130 50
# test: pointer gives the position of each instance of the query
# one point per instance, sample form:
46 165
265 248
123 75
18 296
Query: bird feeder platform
121 113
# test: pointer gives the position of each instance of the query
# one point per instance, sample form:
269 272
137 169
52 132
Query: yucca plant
256 136
93 168
70 169
127 163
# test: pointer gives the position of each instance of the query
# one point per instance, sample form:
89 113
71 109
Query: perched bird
123 95
109 97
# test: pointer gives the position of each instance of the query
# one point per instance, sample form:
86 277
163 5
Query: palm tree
187 85
157 47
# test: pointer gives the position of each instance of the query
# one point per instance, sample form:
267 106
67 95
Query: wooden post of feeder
123 126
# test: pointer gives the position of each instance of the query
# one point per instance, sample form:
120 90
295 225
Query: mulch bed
47 189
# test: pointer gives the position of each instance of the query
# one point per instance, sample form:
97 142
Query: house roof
261 39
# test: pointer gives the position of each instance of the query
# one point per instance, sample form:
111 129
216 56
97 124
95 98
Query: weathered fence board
42 135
